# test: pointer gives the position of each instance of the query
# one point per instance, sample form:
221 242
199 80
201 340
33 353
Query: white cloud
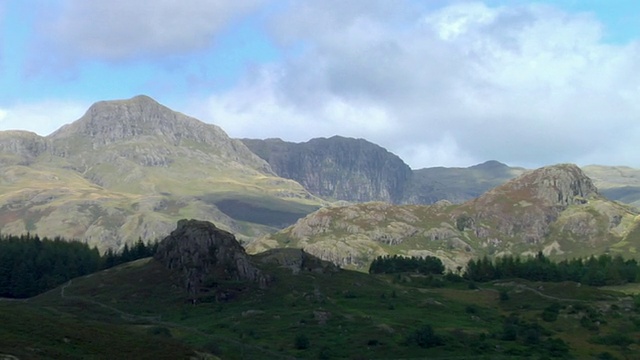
257 110
42 117
528 85
125 29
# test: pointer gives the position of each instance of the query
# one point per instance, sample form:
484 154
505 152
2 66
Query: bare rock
205 255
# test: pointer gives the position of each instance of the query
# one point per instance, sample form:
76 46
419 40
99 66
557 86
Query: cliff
337 168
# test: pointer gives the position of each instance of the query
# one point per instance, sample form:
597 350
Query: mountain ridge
131 168
554 209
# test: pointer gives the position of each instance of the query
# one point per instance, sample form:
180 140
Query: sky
436 82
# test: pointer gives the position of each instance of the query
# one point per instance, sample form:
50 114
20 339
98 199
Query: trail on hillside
156 320
535 291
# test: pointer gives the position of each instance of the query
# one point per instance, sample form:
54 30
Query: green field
136 310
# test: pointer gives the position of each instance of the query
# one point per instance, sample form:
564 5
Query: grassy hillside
136 310
132 168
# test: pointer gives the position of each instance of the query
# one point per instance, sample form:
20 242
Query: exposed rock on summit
205 255
142 119
527 205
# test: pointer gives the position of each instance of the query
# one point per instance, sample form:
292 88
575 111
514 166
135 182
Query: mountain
356 170
620 183
337 168
554 209
132 168
457 185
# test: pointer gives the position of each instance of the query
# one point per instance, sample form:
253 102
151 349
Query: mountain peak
108 121
533 200
142 124
557 185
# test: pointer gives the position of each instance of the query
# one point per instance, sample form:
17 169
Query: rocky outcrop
337 168
142 119
204 256
297 260
527 205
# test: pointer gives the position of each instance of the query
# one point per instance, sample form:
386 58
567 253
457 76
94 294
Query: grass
343 315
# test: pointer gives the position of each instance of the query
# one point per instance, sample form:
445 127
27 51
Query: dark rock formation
205 256
337 168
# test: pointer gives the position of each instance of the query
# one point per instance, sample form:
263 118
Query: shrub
159 331
301 342
424 337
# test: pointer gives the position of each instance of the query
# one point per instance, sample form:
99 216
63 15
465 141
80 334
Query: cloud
121 30
42 117
528 85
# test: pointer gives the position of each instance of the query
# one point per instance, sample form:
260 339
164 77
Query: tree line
399 264
30 265
595 271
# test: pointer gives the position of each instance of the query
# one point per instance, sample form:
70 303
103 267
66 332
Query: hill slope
308 310
555 209
131 168
620 183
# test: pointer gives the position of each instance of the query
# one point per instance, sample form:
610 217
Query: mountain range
130 169
555 209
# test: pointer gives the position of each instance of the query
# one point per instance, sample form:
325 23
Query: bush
159 331
301 342
424 337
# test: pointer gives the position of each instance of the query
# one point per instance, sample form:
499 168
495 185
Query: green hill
132 168
139 310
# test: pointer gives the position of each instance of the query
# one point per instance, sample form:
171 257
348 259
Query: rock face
21 147
142 119
338 168
297 260
204 255
356 170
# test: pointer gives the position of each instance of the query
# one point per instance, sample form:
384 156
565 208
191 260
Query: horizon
439 83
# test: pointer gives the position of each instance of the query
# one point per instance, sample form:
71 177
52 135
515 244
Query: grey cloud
125 29
526 85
